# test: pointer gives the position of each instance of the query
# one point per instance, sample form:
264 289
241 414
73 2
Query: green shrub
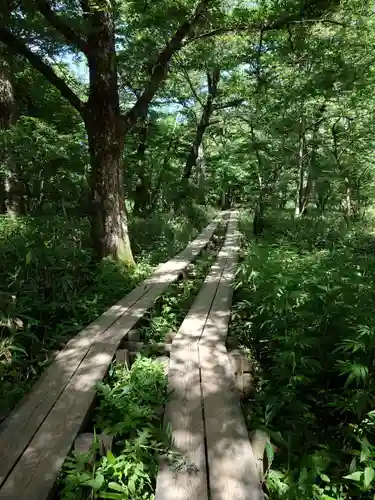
305 305
128 409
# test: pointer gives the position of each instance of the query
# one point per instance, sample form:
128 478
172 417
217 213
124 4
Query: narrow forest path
203 411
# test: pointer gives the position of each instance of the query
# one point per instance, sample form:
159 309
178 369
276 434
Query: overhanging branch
61 26
257 26
37 62
270 25
160 67
190 83
230 104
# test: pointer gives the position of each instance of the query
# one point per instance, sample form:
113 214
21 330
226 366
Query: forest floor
304 307
50 288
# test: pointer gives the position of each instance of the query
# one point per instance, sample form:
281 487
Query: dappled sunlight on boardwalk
204 411
36 438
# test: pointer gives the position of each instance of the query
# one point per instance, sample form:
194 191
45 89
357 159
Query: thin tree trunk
301 174
12 189
258 220
348 199
201 174
142 193
213 79
167 157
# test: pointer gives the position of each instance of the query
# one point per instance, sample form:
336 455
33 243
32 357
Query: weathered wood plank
17 430
183 411
71 378
231 462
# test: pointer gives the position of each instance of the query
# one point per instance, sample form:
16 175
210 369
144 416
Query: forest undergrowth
171 308
128 409
50 286
305 306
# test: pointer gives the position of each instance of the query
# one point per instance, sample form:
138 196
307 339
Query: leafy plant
306 312
128 408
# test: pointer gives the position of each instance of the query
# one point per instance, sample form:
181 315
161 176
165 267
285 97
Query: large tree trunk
105 128
105 132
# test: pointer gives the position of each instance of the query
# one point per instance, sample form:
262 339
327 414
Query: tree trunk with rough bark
106 128
105 132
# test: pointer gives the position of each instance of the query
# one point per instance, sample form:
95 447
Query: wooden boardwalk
204 412
214 458
38 434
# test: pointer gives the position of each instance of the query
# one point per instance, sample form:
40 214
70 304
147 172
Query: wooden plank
231 462
123 358
183 411
17 430
47 445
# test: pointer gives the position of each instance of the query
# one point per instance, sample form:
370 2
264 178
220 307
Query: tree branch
256 26
160 68
190 83
230 104
270 25
37 62
61 26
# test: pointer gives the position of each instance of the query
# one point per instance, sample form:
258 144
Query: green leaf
270 453
131 485
97 482
28 257
325 478
112 496
369 476
356 476
111 458
116 487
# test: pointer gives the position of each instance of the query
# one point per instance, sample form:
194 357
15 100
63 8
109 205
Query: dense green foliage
129 403
50 286
304 305
125 124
